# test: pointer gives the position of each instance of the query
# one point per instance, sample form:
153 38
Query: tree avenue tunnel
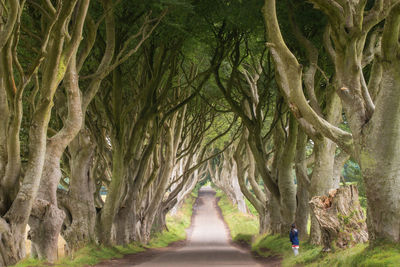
207 243
113 112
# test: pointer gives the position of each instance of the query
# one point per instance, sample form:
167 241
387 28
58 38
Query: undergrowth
93 254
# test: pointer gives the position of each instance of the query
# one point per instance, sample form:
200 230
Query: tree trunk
286 180
302 211
380 159
46 222
13 233
241 204
78 202
259 199
153 209
264 220
3 128
125 222
321 179
186 191
340 217
276 218
303 185
113 199
12 245
160 221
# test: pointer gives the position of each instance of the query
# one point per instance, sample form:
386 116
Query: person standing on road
294 238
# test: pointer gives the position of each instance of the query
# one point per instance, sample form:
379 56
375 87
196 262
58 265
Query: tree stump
341 218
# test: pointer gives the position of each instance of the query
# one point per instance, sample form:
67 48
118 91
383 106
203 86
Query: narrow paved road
208 243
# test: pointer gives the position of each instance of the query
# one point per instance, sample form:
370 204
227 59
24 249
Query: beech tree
54 54
349 25
152 97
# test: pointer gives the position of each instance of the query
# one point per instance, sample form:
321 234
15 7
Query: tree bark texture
303 185
113 199
284 155
78 202
51 222
340 217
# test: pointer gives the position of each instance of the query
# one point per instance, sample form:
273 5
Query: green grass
242 226
30 262
359 255
93 254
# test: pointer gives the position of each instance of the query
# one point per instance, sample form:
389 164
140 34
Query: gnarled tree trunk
340 217
47 219
78 201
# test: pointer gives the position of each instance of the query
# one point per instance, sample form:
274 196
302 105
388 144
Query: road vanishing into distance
208 243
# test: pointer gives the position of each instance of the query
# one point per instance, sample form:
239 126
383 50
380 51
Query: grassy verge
360 255
93 254
243 227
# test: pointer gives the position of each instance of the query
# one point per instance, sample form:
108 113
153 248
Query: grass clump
242 226
93 254
243 238
271 245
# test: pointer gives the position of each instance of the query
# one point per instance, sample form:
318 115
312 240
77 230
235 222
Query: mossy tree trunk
379 157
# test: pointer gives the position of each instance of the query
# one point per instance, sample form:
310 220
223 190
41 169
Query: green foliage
242 226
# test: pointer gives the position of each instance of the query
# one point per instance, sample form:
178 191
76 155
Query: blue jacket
294 237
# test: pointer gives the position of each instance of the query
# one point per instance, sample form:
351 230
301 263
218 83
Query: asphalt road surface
208 243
